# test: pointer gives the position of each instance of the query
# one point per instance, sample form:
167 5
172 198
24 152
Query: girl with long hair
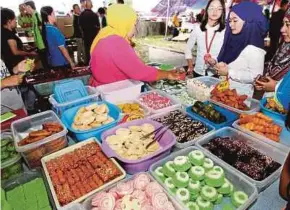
208 36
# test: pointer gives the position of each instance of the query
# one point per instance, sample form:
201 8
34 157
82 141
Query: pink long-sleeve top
113 59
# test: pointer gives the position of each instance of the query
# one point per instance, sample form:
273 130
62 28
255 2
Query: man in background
276 23
90 26
78 35
30 9
176 24
25 20
102 17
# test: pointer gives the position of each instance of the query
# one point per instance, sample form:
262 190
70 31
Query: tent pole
167 18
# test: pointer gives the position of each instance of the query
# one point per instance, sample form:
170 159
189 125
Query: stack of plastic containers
274 115
33 152
275 153
120 91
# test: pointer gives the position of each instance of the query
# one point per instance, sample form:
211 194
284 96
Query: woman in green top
25 20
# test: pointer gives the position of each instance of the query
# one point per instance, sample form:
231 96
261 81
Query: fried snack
272 105
262 125
133 110
230 98
79 172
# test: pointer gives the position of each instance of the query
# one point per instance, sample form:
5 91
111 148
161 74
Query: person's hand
266 86
190 69
12 81
222 69
33 53
211 61
22 67
174 75
72 65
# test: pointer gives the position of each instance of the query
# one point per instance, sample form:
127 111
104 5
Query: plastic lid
166 67
69 90
282 94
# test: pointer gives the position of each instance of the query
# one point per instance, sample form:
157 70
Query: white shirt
198 36
244 70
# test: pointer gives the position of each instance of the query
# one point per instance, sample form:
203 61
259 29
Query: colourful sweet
194 186
181 163
192 206
203 204
196 173
208 193
170 185
239 198
155 101
207 164
168 169
183 195
159 173
181 179
214 178
196 157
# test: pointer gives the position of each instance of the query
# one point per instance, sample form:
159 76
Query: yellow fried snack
133 110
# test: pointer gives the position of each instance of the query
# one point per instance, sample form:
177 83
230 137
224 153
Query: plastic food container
284 143
120 91
193 141
253 104
46 89
32 153
146 111
13 166
23 179
231 116
134 166
74 206
88 206
59 108
174 103
239 183
69 115
65 151
274 115
206 80
275 153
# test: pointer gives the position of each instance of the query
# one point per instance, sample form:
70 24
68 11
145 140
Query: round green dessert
207 164
231 191
203 204
169 184
239 198
219 199
180 179
159 173
196 173
214 178
218 169
228 207
194 186
209 193
225 188
181 163
196 157
192 206
183 194
168 169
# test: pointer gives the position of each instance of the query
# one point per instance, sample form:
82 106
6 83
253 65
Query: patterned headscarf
280 63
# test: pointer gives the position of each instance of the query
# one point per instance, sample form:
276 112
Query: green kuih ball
180 179
218 169
203 204
168 169
209 193
169 184
239 198
219 199
225 188
232 189
214 178
192 206
207 164
228 207
196 173
159 173
193 197
181 163
194 186
196 157
183 195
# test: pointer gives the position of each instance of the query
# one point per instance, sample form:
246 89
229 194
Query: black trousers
43 58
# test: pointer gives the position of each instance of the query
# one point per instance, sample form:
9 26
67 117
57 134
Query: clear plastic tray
67 150
174 102
275 153
284 143
191 142
146 110
59 108
239 183
74 206
120 91
24 178
32 153
253 104
87 203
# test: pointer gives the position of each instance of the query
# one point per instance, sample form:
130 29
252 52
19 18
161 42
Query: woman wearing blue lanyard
54 40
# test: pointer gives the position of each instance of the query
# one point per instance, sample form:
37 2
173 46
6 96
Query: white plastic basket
59 108
120 91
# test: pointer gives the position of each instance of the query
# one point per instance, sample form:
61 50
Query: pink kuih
140 193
